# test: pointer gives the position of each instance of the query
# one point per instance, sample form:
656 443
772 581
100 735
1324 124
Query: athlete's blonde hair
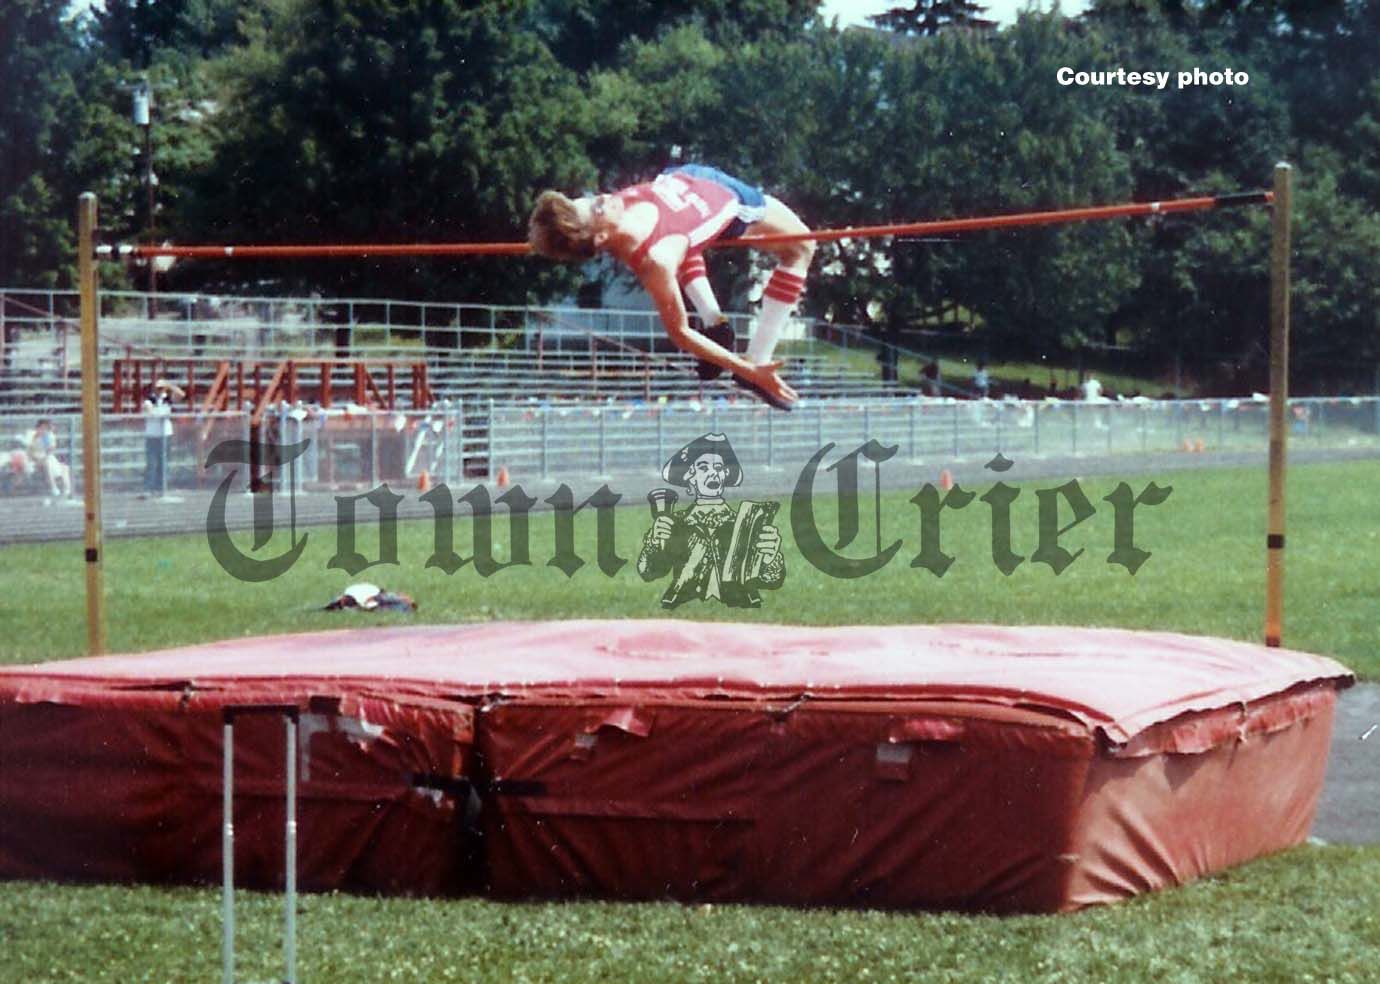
556 230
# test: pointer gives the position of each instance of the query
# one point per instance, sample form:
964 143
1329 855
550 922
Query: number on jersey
678 196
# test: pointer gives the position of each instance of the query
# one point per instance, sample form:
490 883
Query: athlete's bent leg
787 281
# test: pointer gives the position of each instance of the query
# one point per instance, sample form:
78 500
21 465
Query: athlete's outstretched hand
764 381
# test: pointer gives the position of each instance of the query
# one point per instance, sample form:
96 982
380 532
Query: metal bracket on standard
290 715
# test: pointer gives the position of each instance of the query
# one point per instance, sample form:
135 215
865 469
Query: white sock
783 291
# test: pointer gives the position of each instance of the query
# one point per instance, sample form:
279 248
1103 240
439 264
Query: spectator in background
890 361
157 433
932 379
42 450
981 381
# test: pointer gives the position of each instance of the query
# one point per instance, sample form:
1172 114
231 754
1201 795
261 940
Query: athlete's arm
658 277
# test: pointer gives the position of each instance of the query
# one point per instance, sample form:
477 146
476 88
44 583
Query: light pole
143 116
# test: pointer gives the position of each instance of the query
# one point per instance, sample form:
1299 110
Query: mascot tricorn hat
677 470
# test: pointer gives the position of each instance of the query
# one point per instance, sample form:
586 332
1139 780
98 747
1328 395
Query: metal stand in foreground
290 714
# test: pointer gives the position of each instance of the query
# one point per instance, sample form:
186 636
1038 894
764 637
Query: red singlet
686 206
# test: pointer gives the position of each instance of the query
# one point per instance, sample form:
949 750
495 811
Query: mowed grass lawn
1308 915
1206 572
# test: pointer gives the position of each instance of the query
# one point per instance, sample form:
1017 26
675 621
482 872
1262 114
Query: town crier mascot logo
709 548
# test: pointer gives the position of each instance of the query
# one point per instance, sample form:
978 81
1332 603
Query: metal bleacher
505 355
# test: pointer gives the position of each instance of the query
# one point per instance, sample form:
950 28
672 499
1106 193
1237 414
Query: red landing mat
959 766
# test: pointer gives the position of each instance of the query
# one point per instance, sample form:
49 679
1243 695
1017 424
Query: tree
130 29
398 120
662 95
589 34
62 132
797 115
1011 141
169 46
826 120
143 32
38 55
1335 295
1200 300
927 18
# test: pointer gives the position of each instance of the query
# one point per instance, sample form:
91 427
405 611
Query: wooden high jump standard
1279 397
91 424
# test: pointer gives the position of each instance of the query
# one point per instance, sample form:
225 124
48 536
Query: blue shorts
751 199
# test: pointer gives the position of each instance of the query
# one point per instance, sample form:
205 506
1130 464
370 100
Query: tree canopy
441 120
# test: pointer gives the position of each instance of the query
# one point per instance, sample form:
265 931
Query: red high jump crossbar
937 227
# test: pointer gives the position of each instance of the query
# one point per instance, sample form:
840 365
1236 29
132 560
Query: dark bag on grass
370 597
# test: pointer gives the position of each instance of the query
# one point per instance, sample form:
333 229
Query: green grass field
1308 915
1205 574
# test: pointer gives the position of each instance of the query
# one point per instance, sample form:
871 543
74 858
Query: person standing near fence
157 434
933 378
982 382
42 451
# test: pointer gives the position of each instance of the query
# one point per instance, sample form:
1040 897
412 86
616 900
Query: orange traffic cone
502 477
424 481
946 480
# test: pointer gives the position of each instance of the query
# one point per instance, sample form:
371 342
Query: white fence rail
462 442
285 324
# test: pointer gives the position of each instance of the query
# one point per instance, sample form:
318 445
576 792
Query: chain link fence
556 442
460 443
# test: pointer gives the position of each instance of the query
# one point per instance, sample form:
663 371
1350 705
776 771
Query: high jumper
660 229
